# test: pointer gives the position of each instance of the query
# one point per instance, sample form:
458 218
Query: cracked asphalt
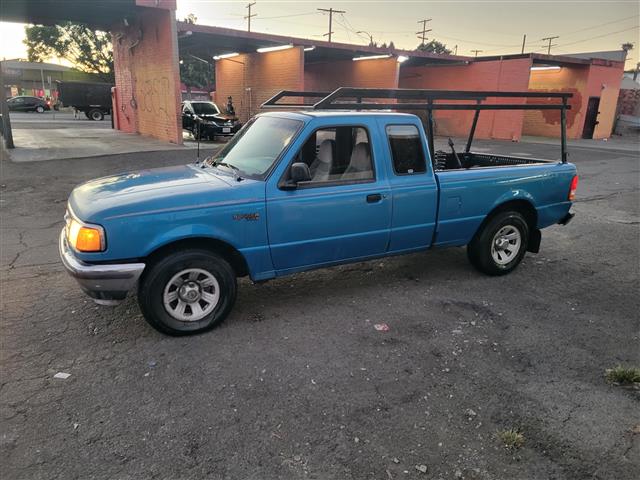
298 384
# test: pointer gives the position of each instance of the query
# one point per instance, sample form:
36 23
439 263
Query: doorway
591 118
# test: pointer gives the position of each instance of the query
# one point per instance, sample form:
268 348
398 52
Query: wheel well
226 251
522 206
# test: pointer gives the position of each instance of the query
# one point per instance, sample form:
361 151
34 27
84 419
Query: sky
495 27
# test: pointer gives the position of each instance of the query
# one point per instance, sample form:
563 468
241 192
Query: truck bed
446 160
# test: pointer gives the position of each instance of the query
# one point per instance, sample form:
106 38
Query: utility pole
331 12
550 39
423 33
524 40
455 50
248 16
476 52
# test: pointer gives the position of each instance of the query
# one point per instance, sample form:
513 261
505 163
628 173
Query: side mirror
299 173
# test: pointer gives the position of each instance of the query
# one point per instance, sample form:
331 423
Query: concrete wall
499 75
327 76
146 73
265 74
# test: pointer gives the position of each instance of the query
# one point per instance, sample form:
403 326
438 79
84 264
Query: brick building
251 67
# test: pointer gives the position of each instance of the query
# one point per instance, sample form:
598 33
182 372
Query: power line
599 36
248 16
476 52
423 33
331 11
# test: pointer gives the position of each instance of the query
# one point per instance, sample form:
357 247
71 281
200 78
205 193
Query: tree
88 50
433 46
196 72
627 46
191 18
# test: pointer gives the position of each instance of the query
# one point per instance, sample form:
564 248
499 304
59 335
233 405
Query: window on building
406 149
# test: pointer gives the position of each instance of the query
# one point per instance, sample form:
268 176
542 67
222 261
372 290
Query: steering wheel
455 154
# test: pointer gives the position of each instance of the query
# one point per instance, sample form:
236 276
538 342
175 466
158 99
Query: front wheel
500 245
95 115
187 292
40 109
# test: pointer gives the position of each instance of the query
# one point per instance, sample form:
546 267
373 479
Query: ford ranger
299 190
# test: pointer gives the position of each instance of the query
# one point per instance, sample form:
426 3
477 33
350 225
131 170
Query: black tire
480 250
159 274
40 109
95 115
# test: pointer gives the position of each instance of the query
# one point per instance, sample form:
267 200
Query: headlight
84 237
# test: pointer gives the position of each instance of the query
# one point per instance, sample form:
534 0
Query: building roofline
297 41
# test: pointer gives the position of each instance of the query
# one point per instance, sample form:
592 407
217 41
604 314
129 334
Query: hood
220 117
153 190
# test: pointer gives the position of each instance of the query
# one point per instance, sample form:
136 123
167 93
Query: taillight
573 188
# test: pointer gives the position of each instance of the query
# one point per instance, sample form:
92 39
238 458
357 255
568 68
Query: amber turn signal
88 240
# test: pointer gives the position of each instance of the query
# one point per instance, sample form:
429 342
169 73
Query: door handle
374 197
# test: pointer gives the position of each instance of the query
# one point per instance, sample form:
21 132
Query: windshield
254 149
205 108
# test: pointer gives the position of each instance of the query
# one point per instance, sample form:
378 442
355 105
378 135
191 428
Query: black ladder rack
350 98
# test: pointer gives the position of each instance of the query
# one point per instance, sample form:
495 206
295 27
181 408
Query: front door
342 213
591 118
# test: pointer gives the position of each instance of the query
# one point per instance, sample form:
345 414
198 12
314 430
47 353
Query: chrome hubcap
191 295
506 244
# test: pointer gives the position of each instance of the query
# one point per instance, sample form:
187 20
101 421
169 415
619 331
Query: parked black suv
24 103
213 123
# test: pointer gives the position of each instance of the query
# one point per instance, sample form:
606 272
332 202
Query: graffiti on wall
154 95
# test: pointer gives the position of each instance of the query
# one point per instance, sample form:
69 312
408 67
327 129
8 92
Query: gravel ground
298 383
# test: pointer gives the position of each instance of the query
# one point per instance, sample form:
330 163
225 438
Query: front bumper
107 284
220 130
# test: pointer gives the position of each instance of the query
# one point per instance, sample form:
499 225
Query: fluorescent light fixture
371 57
226 55
402 58
553 67
273 49
309 49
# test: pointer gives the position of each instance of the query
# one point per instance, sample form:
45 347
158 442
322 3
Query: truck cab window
338 154
406 149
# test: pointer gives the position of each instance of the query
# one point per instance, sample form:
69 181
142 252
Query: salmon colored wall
604 82
546 123
327 76
264 73
147 76
499 75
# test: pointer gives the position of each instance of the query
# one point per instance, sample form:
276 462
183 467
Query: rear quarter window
407 153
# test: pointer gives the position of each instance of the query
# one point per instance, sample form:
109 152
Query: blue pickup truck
295 191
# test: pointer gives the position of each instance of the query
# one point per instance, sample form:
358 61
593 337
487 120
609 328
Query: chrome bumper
107 284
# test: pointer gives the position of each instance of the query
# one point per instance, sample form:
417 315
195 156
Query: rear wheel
500 245
187 292
95 114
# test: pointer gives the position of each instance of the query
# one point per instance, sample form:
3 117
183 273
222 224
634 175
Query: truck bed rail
350 98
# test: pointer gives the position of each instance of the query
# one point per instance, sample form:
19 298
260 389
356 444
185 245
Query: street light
371 42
